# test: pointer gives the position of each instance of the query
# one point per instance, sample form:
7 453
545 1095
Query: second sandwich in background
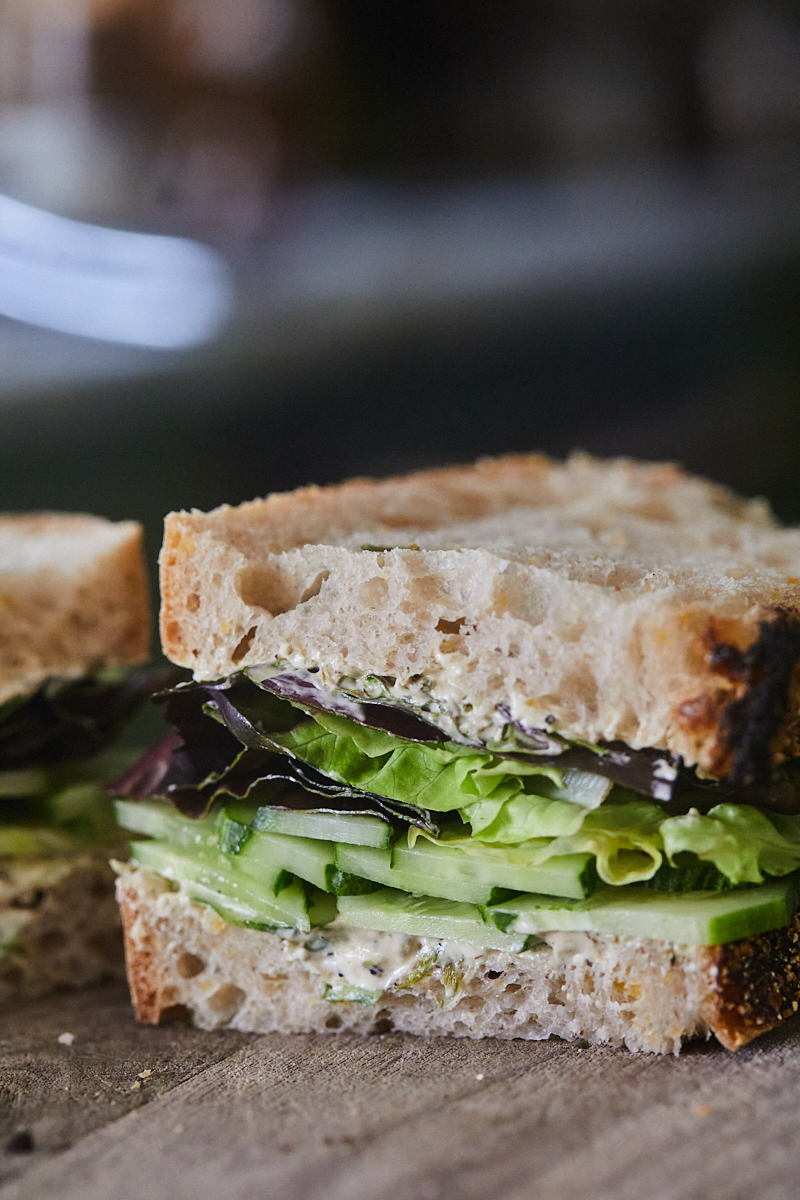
74 629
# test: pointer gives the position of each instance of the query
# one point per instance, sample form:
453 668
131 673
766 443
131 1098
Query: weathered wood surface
248 1118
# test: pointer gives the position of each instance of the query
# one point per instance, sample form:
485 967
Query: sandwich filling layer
338 822
59 745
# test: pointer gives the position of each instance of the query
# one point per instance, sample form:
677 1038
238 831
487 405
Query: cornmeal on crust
644 994
602 600
73 597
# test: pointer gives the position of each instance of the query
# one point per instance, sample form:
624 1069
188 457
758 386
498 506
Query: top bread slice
73 598
604 600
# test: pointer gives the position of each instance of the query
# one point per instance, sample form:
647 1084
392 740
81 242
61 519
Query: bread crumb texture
59 925
73 598
591 596
650 996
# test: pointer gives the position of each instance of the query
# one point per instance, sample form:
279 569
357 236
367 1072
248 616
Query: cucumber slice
160 819
265 855
426 916
377 865
435 869
572 875
356 828
235 896
689 918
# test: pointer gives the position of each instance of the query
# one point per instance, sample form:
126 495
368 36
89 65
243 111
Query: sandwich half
509 750
75 620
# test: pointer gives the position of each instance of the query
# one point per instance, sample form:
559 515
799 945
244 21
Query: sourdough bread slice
73 597
647 995
603 600
59 925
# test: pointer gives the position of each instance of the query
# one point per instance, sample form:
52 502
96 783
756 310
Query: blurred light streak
109 284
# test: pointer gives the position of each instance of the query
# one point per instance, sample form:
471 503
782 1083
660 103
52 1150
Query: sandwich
508 750
75 621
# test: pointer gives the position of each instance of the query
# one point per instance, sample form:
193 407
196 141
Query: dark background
389 115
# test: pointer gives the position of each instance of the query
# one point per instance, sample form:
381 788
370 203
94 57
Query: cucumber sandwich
75 621
510 750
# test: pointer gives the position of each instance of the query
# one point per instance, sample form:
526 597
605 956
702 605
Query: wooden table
136 1113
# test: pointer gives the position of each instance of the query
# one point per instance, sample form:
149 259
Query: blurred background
432 230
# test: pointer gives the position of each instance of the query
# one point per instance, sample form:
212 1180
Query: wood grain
344 1119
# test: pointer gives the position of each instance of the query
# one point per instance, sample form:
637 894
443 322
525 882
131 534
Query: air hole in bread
445 626
179 1013
173 634
244 645
334 1021
193 602
373 592
516 593
226 1001
314 588
263 587
189 965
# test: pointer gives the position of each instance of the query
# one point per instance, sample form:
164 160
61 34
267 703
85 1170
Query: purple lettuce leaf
66 720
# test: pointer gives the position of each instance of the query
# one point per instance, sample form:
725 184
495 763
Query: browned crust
141 961
754 984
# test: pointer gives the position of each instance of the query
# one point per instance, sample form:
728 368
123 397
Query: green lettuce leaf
516 803
625 839
742 842
439 777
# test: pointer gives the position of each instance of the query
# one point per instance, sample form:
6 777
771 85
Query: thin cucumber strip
354 828
572 875
265 854
688 918
224 887
425 916
160 819
377 865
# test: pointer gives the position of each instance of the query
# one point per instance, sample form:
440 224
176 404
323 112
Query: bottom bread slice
647 995
59 925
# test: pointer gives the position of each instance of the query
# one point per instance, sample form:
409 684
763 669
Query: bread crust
755 985
650 996
651 610
73 597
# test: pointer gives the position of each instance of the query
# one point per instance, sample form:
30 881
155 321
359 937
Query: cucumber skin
343 883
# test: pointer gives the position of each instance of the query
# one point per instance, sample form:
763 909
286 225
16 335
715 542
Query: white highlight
136 288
